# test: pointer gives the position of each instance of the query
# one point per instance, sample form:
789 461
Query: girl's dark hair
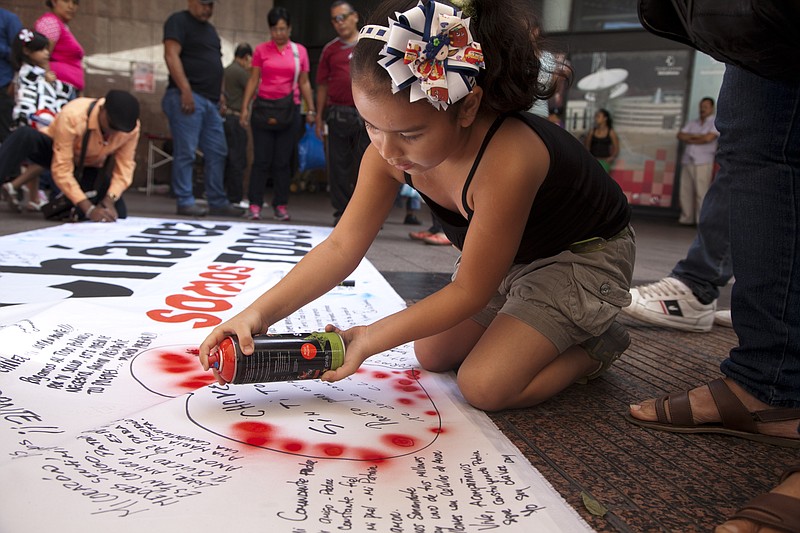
19 47
508 33
609 120
276 14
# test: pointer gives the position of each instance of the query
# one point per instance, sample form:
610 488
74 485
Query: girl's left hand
50 76
355 343
311 119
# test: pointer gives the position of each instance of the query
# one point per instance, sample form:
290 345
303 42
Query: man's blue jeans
202 129
759 152
707 265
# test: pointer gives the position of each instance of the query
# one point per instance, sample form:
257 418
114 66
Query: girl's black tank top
577 200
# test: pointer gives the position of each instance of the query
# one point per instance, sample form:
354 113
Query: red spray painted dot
255 433
175 363
197 382
400 441
365 454
331 450
293 446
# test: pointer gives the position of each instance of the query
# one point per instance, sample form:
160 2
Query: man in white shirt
697 164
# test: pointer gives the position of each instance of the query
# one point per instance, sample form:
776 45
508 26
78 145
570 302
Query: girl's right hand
244 118
244 326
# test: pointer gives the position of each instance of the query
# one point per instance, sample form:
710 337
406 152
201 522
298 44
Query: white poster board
108 423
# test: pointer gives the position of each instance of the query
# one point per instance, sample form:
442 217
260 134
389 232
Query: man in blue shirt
10 26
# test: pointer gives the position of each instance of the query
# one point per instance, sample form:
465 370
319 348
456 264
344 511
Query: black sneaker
228 210
193 210
412 220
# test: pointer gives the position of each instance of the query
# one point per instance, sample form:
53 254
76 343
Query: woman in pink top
66 53
280 68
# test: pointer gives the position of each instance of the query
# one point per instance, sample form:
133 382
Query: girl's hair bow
25 35
430 49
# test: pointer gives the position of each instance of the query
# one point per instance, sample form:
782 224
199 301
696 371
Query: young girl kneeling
546 250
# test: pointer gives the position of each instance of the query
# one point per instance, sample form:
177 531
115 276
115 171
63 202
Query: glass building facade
649 85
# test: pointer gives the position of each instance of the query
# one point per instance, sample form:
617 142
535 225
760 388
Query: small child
39 98
547 252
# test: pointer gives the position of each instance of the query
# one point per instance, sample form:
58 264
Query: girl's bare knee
483 395
430 359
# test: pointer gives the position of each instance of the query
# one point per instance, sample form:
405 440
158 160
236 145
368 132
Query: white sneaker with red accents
670 303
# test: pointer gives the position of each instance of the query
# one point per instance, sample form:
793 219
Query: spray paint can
284 357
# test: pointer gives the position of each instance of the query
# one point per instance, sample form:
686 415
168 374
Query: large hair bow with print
430 49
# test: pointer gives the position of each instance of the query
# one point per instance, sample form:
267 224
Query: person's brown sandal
772 509
736 420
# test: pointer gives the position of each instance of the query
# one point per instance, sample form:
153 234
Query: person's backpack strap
78 172
296 54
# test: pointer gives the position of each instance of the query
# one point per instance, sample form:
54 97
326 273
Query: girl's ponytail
515 75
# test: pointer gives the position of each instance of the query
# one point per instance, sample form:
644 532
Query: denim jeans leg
759 124
215 150
185 131
707 265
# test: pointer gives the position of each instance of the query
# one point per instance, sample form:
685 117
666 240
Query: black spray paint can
284 357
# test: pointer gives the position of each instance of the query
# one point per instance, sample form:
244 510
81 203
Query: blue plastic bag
310 151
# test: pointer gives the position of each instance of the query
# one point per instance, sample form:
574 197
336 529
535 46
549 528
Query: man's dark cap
122 109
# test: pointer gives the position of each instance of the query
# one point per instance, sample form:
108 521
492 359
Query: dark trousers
28 144
6 112
272 157
24 144
236 160
347 140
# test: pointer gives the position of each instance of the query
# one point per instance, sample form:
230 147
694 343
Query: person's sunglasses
341 18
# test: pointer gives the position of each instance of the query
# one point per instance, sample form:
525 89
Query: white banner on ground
107 421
